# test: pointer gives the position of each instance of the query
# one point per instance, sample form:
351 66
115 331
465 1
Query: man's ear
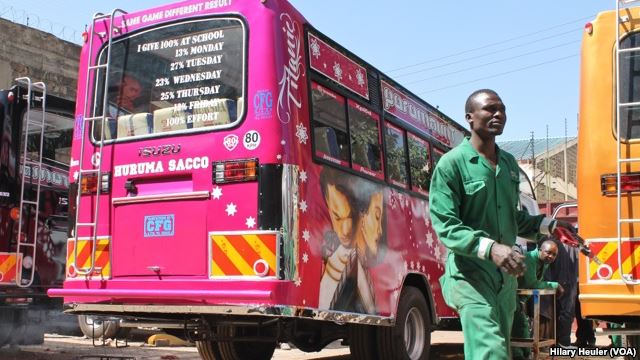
467 117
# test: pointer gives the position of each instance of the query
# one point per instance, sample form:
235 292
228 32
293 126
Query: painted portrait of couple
354 243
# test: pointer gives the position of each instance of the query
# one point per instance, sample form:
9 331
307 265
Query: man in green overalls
473 203
536 261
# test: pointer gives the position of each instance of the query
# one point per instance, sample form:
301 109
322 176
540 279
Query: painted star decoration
337 71
303 176
298 282
305 258
315 48
232 209
306 235
217 192
303 206
301 134
251 222
360 77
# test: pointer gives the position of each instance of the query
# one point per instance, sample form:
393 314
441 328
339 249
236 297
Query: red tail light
629 182
235 171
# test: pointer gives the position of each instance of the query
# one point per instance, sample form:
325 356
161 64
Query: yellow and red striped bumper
607 252
9 267
102 266
236 254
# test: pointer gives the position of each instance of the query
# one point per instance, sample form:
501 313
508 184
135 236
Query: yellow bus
609 167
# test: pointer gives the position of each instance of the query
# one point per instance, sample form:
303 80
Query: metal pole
566 168
546 170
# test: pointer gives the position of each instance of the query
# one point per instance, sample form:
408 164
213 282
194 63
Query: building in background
39 55
550 163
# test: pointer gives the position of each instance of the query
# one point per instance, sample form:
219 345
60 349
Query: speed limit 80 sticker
251 140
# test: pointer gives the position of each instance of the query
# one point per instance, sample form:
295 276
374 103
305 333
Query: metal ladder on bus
27 202
622 5
89 117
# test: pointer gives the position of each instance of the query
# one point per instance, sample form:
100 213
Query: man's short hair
468 105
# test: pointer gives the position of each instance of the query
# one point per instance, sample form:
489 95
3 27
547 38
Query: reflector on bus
235 171
629 182
90 183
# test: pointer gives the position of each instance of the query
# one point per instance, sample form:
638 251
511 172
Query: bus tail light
89 184
235 171
15 214
629 182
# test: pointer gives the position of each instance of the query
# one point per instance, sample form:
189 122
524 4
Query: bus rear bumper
280 311
112 294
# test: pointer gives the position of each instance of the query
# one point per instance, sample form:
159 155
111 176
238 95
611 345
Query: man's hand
507 259
560 290
563 224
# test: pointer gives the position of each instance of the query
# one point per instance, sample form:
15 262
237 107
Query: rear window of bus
182 77
630 88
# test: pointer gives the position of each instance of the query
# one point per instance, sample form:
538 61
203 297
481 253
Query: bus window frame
45 159
403 134
377 118
429 153
385 117
93 90
343 100
625 140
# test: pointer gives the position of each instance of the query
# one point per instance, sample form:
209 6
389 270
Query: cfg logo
159 225
263 104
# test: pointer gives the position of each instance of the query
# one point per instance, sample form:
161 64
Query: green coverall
472 205
532 279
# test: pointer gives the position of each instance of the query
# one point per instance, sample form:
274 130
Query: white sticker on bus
251 140
154 167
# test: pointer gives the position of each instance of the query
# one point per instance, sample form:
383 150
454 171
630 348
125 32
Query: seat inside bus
216 112
135 124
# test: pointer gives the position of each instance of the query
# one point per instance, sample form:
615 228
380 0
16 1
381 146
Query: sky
528 51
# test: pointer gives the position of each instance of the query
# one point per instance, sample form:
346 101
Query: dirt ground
447 345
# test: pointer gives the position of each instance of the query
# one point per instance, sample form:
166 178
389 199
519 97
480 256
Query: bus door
153 146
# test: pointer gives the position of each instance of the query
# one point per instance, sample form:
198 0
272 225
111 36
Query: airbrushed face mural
355 242
365 238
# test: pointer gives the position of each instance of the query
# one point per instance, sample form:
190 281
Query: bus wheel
410 338
362 342
95 328
244 350
208 350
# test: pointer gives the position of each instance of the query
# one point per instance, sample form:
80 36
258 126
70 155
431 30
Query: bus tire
410 337
208 350
362 342
105 329
243 350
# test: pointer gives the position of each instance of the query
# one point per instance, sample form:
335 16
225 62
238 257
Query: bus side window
330 123
629 88
365 137
396 155
419 163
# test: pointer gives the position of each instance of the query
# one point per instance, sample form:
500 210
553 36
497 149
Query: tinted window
179 77
365 137
396 155
56 144
419 163
630 88
329 125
